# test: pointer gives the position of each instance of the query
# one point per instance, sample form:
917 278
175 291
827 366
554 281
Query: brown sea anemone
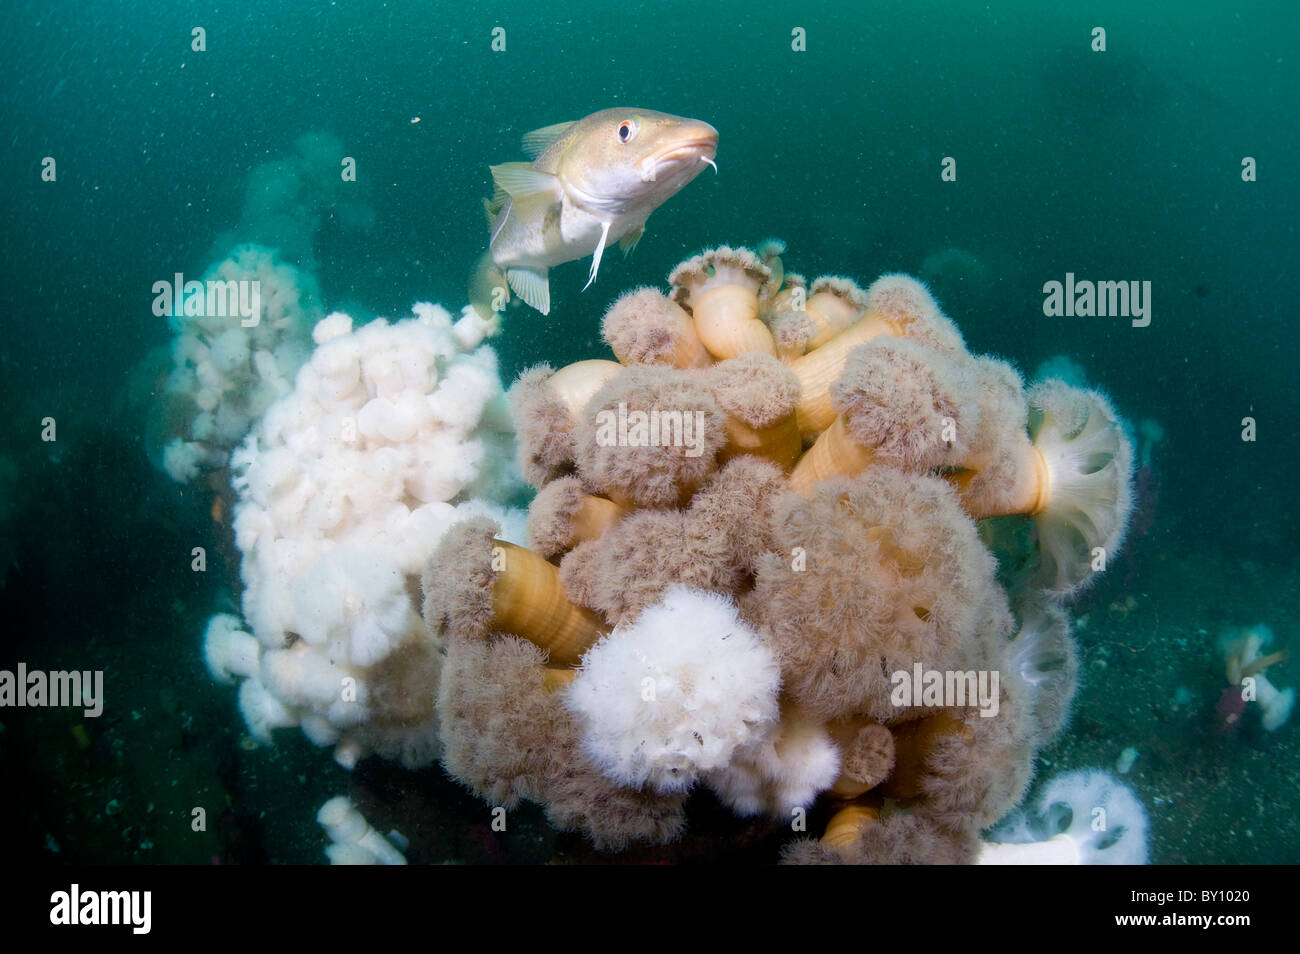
868 754
564 514
993 475
868 575
507 735
1060 455
896 306
790 296
792 330
962 767
856 570
834 304
546 405
1045 660
855 837
712 545
645 327
802 319
721 289
758 395
649 437
475 584
899 404
782 772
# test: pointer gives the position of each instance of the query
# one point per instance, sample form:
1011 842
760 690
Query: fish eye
626 130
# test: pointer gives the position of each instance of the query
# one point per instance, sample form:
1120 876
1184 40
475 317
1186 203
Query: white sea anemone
228 650
1086 492
784 771
226 372
676 692
353 841
1082 818
345 486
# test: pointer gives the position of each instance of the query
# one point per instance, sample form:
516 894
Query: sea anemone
475 584
1071 470
721 289
344 487
564 514
743 628
649 437
225 372
792 329
899 404
868 754
859 833
1044 658
782 772
352 839
546 406
229 650
1245 668
896 306
1082 818
712 545
867 575
507 735
758 394
834 304
645 327
674 693
1084 495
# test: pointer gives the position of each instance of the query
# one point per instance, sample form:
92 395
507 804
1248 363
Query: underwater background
1123 165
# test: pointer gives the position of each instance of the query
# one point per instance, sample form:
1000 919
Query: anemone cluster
225 373
391 433
752 530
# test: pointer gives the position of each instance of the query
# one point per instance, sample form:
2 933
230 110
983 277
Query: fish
590 183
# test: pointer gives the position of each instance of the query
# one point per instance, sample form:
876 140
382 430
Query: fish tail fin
488 289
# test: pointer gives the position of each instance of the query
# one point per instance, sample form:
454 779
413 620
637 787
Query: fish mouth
687 149
695 151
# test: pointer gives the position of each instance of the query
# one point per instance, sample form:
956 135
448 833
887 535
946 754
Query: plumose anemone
756 566
390 434
740 611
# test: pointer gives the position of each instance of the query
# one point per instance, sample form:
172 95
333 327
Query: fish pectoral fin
600 250
536 142
521 181
628 241
533 286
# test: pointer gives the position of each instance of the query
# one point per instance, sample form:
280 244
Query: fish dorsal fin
536 142
521 181
600 250
533 286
